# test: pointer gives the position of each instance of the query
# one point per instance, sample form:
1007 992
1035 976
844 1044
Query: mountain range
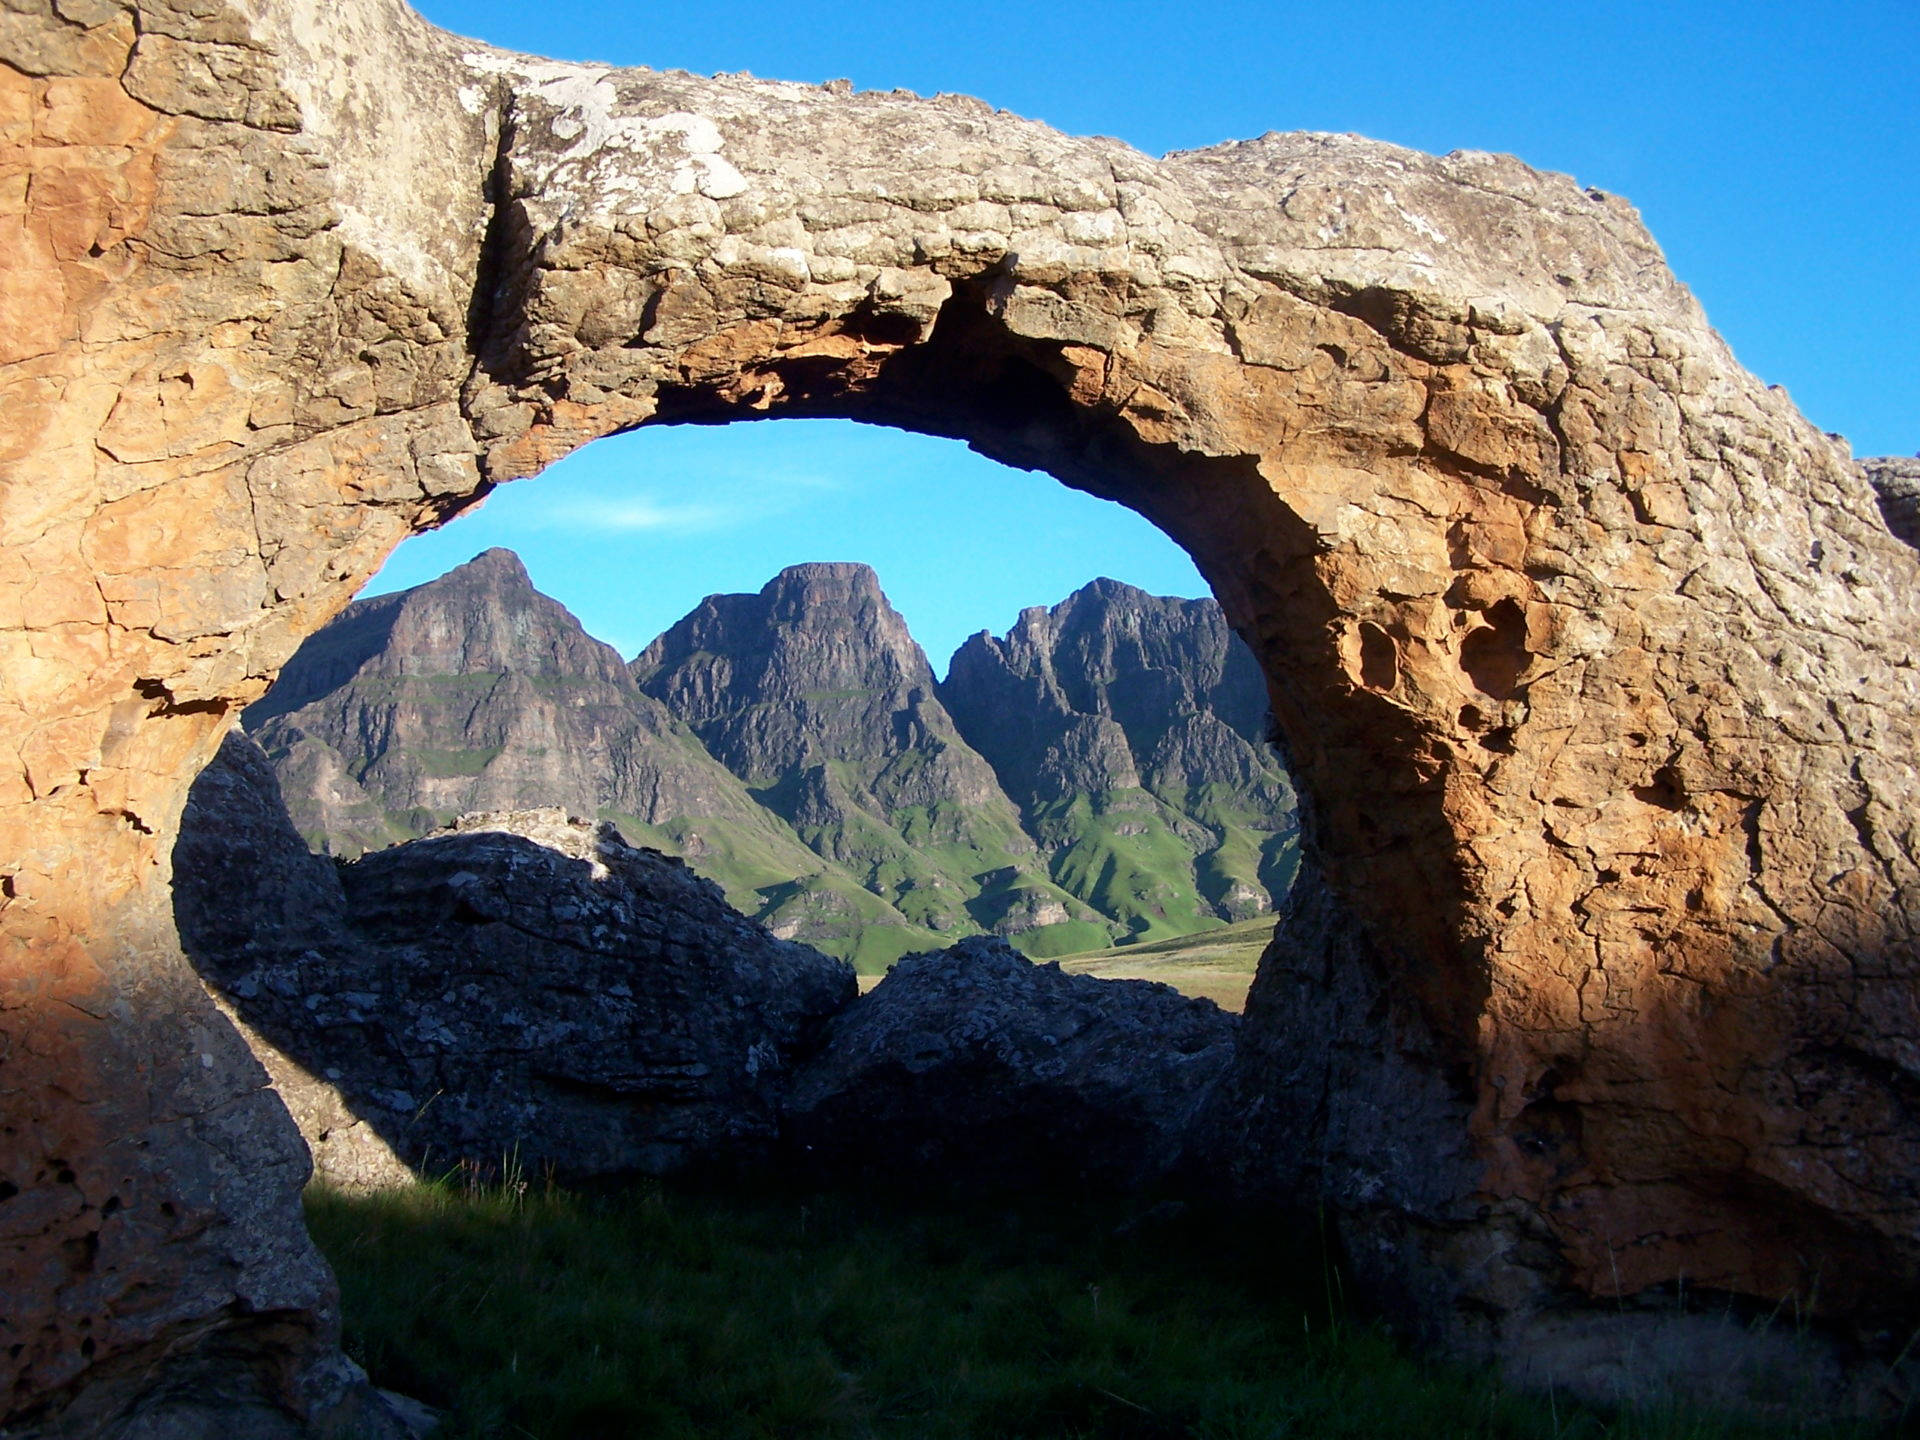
1096 776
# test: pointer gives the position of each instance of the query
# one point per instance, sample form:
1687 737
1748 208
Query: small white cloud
633 514
728 500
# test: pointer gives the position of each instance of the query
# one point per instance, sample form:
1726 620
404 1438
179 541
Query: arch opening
1091 765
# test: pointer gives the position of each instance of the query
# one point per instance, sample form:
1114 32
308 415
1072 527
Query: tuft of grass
674 1312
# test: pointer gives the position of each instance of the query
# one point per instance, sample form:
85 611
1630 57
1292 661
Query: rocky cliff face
815 695
1130 730
522 985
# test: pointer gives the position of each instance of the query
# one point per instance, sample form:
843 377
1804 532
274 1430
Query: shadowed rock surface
1594 658
974 1067
1896 485
1130 730
252 903
524 990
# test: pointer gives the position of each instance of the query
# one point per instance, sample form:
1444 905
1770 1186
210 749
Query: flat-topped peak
850 575
495 566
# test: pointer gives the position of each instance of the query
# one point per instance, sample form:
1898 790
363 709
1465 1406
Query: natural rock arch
1593 656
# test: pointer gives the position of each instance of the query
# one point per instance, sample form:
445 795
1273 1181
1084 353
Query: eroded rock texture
1593 658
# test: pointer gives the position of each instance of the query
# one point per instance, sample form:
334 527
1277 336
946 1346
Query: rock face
522 989
1129 729
975 1068
1593 659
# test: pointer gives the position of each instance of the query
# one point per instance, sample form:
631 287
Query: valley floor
660 1312
1215 964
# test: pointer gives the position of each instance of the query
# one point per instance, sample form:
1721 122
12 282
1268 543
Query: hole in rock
1665 790
1495 654
1379 658
884 692
887 697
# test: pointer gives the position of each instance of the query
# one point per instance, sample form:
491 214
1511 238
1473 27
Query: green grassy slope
1119 854
766 872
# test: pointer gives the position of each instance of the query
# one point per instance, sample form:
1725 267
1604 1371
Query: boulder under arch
1593 657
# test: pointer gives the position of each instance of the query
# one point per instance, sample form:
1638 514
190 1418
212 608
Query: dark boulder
975 1068
524 989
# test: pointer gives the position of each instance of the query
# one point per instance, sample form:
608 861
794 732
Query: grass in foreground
658 1312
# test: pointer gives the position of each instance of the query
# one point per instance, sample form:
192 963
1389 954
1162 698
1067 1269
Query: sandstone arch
1595 658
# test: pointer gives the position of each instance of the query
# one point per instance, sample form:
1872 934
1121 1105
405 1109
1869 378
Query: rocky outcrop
251 899
1593 659
1130 730
522 990
1896 485
974 1068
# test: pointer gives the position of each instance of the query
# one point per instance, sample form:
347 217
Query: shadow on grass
662 1311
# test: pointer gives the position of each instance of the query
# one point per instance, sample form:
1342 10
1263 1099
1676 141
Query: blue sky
1772 148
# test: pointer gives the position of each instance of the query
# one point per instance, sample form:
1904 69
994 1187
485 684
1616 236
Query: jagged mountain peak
853 574
483 617
486 615
1113 650
496 560
1106 588
815 629
475 691
815 694
1128 727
